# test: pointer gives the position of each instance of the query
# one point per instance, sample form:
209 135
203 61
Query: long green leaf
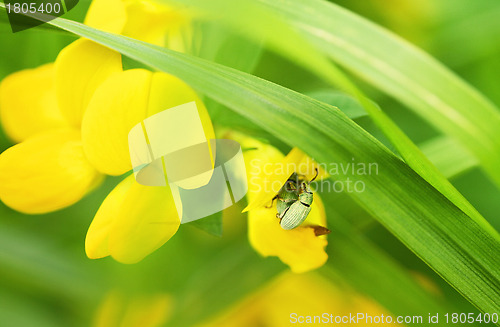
445 153
403 71
456 247
256 22
368 269
448 156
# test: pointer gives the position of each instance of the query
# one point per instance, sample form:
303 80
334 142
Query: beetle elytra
294 201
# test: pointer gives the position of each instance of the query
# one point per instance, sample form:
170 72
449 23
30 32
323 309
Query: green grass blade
368 269
255 21
211 224
352 108
455 246
258 22
448 156
403 71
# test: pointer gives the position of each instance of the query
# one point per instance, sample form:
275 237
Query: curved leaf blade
402 71
456 247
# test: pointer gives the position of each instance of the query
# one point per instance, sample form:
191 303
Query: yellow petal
108 312
122 102
97 240
267 171
147 220
260 159
80 68
107 15
117 105
132 222
298 295
299 248
274 176
28 103
155 23
116 310
180 38
307 168
309 295
147 21
317 217
45 173
148 311
168 91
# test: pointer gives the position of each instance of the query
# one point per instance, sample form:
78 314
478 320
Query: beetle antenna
272 201
317 172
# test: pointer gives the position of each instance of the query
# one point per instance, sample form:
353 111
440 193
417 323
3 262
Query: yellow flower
117 310
72 120
73 125
134 220
48 170
56 164
292 298
147 21
267 172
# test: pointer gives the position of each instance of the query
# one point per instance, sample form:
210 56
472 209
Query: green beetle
294 203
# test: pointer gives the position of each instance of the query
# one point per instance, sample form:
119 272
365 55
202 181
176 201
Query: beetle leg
282 214
288 200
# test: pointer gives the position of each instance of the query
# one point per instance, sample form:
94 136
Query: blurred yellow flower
267 171
117 310
143 20
292 298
